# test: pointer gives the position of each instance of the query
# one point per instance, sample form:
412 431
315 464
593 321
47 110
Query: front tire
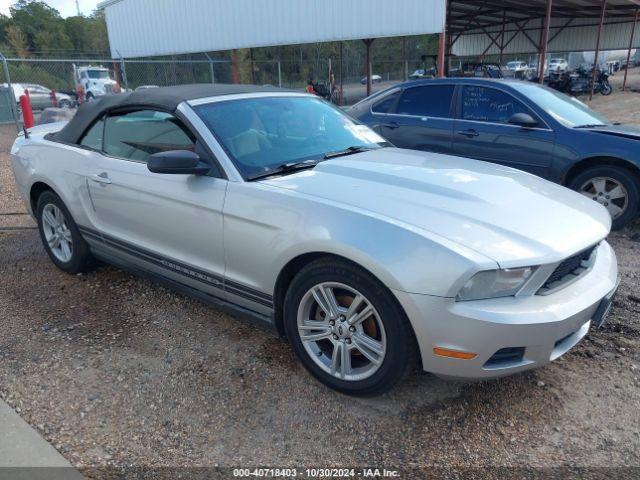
347 329
606 89
616 188
60 235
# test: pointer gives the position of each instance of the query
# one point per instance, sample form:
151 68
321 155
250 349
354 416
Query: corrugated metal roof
579 37
465 15
476 27
140 28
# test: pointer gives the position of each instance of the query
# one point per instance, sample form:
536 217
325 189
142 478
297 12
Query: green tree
42 25
88 34
17 41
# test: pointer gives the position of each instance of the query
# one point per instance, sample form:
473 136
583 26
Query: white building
143 28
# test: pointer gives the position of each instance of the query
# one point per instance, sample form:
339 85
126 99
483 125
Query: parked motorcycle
579 82
560 81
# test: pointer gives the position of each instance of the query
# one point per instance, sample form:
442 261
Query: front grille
504 356
571 267
108 89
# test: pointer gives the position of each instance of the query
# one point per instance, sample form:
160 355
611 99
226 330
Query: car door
483 131
376 116
421 119
171 225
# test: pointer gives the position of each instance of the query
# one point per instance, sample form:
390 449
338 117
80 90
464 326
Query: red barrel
27 111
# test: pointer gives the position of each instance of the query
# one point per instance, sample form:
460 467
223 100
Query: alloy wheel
341 331
608 192
57 233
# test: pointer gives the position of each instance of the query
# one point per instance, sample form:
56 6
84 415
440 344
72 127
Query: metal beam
535 29
368 42
595 59
633 32
518 30
469 22
441 50
545 42
341 77
504 21
561 29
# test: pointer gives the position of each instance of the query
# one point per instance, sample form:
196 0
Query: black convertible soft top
165 98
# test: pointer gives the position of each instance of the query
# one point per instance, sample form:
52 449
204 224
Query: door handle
101 178
469 133
391 125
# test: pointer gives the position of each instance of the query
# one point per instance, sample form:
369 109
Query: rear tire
375 333
590 183
60 235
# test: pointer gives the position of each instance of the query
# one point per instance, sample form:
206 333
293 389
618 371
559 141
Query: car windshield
567 110
262 134
97 74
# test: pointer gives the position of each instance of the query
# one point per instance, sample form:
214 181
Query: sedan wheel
341 331
57 233
614 187
60 235
347 329
608 192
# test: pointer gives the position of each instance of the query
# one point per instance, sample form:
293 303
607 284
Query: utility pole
78 7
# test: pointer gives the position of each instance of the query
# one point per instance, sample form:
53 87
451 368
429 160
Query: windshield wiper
592 125
348 151
288 167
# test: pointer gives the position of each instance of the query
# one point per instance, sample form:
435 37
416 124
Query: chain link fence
19 74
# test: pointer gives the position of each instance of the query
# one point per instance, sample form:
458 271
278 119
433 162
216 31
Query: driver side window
490 105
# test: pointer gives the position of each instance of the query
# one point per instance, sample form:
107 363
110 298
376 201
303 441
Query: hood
627 131
512 217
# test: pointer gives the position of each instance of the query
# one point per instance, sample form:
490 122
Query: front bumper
542 328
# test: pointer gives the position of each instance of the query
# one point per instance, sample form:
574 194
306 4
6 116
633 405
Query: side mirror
183 162
523 120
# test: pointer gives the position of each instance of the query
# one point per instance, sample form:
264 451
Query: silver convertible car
278 206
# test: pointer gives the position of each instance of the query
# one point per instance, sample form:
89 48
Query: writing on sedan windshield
265 136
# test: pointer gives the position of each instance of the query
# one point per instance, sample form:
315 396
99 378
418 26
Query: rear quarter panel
64 168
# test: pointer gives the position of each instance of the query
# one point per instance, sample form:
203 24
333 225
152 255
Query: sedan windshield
567 110
272 134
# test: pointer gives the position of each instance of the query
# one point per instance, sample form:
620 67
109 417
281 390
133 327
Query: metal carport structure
479 28
139 28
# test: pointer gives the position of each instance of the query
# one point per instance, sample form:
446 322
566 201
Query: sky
67 8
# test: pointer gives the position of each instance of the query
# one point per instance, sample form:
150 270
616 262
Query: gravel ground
118 372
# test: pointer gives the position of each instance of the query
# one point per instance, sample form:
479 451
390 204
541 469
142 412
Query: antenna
78 7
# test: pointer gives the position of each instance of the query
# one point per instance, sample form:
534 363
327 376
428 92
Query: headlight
495 283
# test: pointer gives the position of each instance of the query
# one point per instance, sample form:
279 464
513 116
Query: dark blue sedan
519 124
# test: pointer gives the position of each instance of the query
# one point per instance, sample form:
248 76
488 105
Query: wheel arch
37 189
579 167
293 266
